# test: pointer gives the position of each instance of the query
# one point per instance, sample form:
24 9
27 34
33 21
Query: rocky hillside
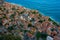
20 23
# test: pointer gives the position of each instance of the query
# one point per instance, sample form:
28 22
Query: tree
12 16
0 21
9 37
41 21
41 35
29 25
10 28
32 20
34 12
40 15
38 35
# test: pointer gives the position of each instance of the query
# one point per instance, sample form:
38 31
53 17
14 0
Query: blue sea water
47 7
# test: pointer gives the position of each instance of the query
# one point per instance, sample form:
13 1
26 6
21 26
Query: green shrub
9 37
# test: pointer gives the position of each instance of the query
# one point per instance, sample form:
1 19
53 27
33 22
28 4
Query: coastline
19 23
37 10
54 22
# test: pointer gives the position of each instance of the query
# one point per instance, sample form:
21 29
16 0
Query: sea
49 8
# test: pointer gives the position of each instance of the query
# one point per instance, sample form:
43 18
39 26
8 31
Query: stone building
1 2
